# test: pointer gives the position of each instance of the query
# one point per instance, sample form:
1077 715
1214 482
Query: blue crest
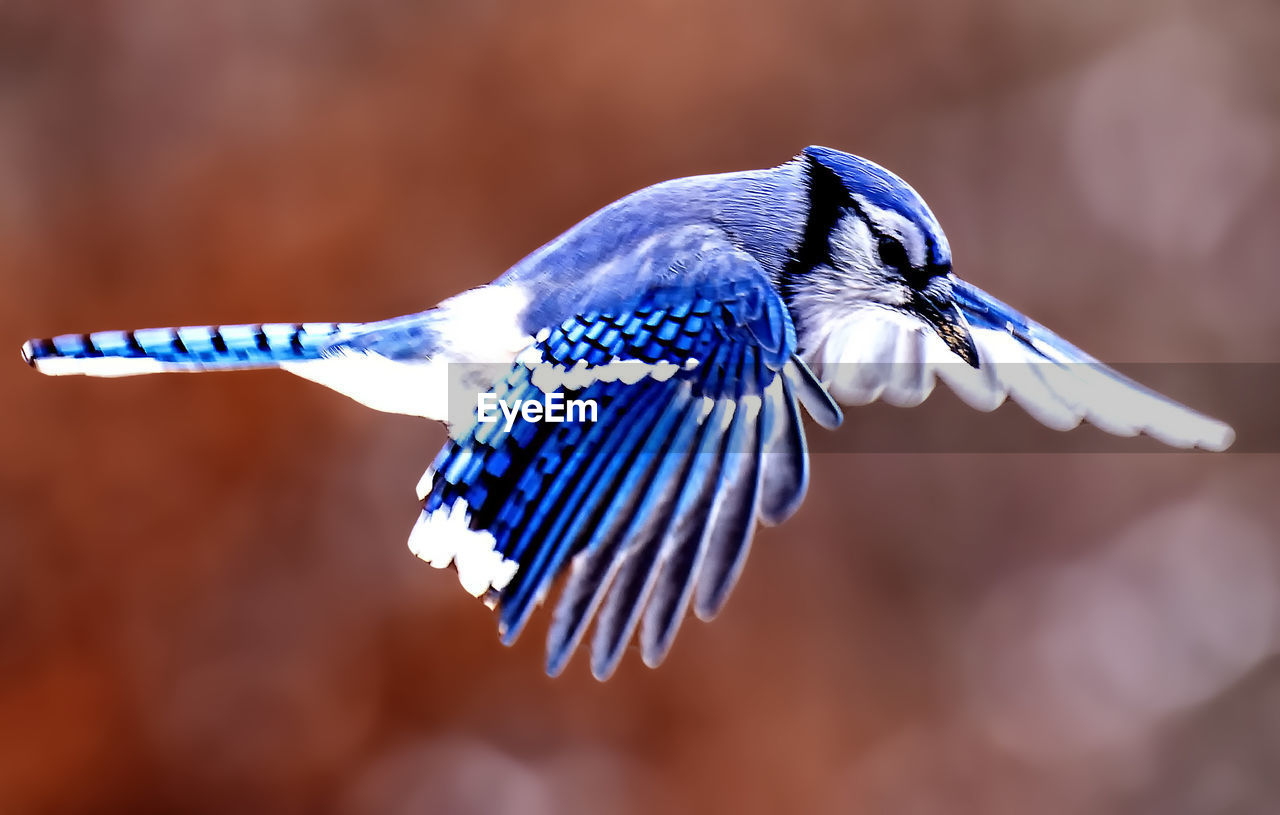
885 190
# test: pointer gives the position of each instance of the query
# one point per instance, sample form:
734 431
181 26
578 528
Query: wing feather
684 545
637 558
651 508
786 457
734 508
875 352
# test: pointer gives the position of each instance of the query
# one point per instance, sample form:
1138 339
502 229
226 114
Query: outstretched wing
652 500
879 353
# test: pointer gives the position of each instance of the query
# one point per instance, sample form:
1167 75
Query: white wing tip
1225 437
443 537
1214 436
424 484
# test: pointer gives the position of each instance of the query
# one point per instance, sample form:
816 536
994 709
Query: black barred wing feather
650 506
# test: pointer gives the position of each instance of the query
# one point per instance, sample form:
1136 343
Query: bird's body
696 315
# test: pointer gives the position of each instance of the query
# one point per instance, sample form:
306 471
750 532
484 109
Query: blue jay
697 315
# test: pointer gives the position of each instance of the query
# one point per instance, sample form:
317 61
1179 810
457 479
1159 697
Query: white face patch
853 248
443 537
857 277
895 225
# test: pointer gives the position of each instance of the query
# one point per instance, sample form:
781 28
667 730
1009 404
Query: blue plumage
195 347
611 490
885 190
697 316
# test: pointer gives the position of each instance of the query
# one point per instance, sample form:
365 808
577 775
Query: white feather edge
444 536
877 353
96 366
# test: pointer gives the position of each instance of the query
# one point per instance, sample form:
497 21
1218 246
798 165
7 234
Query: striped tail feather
190 348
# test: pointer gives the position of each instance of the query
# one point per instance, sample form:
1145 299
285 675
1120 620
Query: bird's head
872 241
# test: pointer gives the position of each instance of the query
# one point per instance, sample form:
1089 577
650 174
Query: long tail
191 348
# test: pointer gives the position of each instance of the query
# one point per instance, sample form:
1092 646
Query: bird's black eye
892 254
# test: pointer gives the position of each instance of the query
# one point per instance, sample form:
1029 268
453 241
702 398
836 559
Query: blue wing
697 433
878 353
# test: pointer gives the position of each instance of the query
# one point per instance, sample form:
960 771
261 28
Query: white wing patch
443 537
549 377
879 353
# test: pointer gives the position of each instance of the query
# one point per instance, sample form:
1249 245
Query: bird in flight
695 318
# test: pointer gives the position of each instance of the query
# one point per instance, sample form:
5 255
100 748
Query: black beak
935 304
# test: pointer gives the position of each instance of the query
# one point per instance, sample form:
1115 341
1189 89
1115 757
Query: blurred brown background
206 603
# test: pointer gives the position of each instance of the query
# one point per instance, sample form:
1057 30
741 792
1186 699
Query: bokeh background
206 603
